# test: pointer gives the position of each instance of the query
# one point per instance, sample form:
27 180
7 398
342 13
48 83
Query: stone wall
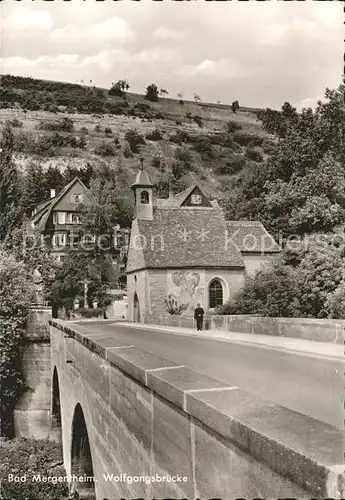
32 411
317 330
146 416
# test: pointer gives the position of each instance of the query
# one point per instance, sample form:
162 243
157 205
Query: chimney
52 193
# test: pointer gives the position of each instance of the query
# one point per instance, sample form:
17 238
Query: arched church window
215 291
144 197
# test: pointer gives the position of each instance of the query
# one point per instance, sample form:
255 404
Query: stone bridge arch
81 458
56 407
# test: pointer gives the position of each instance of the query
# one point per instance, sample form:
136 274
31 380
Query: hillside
66 124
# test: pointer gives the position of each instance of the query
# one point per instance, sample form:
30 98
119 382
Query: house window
75 219
215 291
144 197
61 217
89 238
55 218
59 239
77 198
75 239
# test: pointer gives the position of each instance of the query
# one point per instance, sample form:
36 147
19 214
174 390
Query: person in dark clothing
199 317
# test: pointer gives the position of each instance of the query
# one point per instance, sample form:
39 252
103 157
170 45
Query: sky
259 53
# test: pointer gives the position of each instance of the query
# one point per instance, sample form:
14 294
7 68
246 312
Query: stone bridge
141 426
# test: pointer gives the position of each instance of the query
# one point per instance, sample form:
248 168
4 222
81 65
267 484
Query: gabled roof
175 239
41 217
178 199
251 236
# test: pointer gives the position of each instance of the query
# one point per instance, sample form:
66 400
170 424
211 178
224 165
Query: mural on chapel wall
186 288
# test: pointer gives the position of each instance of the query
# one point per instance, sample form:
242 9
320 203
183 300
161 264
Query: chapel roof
252 237
183 238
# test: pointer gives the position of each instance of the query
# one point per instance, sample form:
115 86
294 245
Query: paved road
312 386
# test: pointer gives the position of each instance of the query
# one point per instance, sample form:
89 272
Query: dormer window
144 197
77 198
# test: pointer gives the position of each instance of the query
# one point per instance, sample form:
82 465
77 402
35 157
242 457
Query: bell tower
143 194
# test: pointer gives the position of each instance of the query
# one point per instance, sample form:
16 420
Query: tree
119 88
70 279
335 302
54 179
15 298
196 98
108 207
10 185
320 272
271 292
34 188
163 92
235 106
152 93
299 188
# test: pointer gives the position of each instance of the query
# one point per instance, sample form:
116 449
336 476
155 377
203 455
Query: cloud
22 19
165 33
114 28
222 69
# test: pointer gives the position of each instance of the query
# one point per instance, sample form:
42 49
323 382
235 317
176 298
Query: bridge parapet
146 415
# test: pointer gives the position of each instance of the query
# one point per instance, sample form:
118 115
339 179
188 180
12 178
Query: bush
127 152
254 154
271 292
81 143
335 302
203 146
84 130
30 457
235 106
105 148
156 162
16 123
134 140
64 125
42 146
234 164
152 93
97 128
91 312
180 137
232 126
117 109
184 155
198 120
142 106
189 115
108 131
119 88
155 135
52 108
247 139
